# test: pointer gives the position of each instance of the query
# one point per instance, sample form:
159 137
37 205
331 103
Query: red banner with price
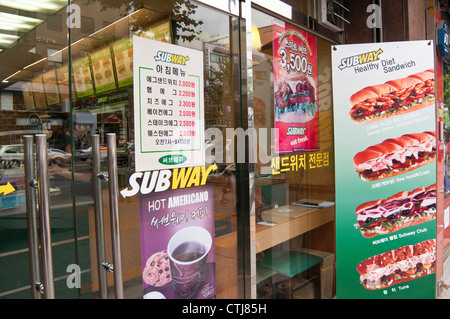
295 89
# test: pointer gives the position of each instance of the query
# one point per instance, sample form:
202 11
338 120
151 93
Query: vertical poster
177 243
168 105
385 148
295 89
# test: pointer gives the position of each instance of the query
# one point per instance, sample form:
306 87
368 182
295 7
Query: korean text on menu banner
295 89
177 244
385 148
168 105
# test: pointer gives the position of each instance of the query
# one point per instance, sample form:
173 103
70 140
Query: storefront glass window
295 180
74 90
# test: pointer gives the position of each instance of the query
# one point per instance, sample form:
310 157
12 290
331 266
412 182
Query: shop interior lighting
6 80
45 6
5 2
7 39
13 22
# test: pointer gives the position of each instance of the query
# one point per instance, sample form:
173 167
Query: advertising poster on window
295 89
177 244
168 105
385 148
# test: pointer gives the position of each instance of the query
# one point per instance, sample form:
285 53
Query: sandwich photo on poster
295 89
397 266
177 244
401 210
395 156
395 97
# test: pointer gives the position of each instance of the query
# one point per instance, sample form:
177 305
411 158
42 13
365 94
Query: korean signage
168 105
177 244
295 89
385 148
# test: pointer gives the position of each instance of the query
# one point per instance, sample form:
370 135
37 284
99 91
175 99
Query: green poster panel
385 154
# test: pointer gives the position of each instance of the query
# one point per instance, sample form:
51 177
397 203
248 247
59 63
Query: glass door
103 57
35 100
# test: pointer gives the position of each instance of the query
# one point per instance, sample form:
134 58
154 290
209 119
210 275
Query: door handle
98 205
114 211
111 178
31 209
44 215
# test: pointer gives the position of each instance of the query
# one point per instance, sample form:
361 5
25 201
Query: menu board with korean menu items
102 68
83 79
168 105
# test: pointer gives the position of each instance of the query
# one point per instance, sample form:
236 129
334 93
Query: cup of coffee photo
188 250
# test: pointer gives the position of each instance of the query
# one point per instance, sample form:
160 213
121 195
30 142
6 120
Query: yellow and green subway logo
168 57
359 59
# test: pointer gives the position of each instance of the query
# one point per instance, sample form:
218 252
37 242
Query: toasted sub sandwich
395 97
395 156
399 265
404 209
295 100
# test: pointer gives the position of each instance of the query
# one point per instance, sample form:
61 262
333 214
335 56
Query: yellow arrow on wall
6 189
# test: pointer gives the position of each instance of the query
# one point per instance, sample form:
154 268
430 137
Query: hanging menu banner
103 70
123 58
385 148
296 109
82 76
168 105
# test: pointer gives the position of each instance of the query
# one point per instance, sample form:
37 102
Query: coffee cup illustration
188 250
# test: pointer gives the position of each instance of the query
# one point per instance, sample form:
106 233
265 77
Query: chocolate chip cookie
157 270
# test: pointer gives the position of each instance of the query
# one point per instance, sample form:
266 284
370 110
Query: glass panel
295 186
102 65
32 103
